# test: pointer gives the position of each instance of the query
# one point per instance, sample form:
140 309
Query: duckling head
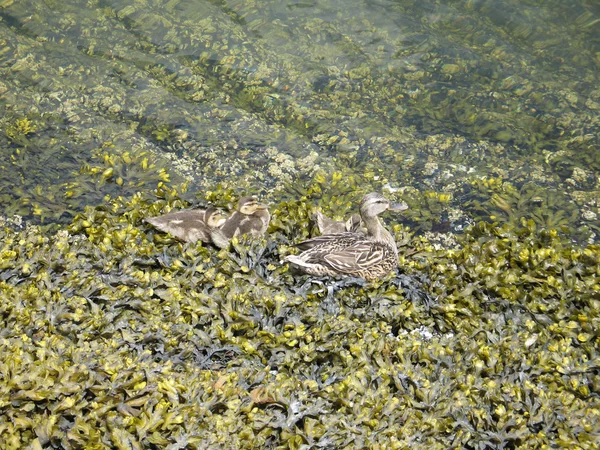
214 217
249 206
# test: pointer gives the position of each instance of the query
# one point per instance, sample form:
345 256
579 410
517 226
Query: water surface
416 97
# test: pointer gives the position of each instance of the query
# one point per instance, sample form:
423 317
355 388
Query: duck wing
336 240
361 255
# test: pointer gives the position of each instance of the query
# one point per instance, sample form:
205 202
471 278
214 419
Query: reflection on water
494 102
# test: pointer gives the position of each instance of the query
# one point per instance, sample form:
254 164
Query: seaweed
121 338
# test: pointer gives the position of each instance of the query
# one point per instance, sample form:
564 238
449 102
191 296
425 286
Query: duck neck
378 233
374 228
264 215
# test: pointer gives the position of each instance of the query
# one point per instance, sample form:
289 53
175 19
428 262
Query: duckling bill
370 256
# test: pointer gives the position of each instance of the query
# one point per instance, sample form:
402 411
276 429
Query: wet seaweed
118 336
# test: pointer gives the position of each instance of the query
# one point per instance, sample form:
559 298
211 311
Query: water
495 103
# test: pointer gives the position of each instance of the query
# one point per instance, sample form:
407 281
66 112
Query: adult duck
370 256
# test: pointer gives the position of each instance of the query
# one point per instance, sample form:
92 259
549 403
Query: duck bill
261 206
398 207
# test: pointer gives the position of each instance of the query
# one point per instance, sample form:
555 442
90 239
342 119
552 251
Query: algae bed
482 115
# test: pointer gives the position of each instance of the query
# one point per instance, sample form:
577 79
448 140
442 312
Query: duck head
374 203
214 218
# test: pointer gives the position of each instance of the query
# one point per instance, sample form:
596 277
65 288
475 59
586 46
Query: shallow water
493 102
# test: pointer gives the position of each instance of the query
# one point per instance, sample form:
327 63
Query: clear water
260 95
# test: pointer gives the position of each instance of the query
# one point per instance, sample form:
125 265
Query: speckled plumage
368 255
190 225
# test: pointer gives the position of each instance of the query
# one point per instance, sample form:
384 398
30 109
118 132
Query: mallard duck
370 256
190 225
250 218
327 225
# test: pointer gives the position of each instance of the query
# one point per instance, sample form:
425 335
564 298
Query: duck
251 217
327 225
190 225
371 255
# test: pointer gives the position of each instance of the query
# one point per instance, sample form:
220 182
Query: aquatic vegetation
121 339
110 173
427 210
19 129
500 201
40 188
113 335
229 92
336 192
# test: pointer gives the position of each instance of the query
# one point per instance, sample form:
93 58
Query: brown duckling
190 225
250 218
327 225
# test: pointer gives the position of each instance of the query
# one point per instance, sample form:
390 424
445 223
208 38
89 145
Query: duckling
251 218
370 256
190 225
327 225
